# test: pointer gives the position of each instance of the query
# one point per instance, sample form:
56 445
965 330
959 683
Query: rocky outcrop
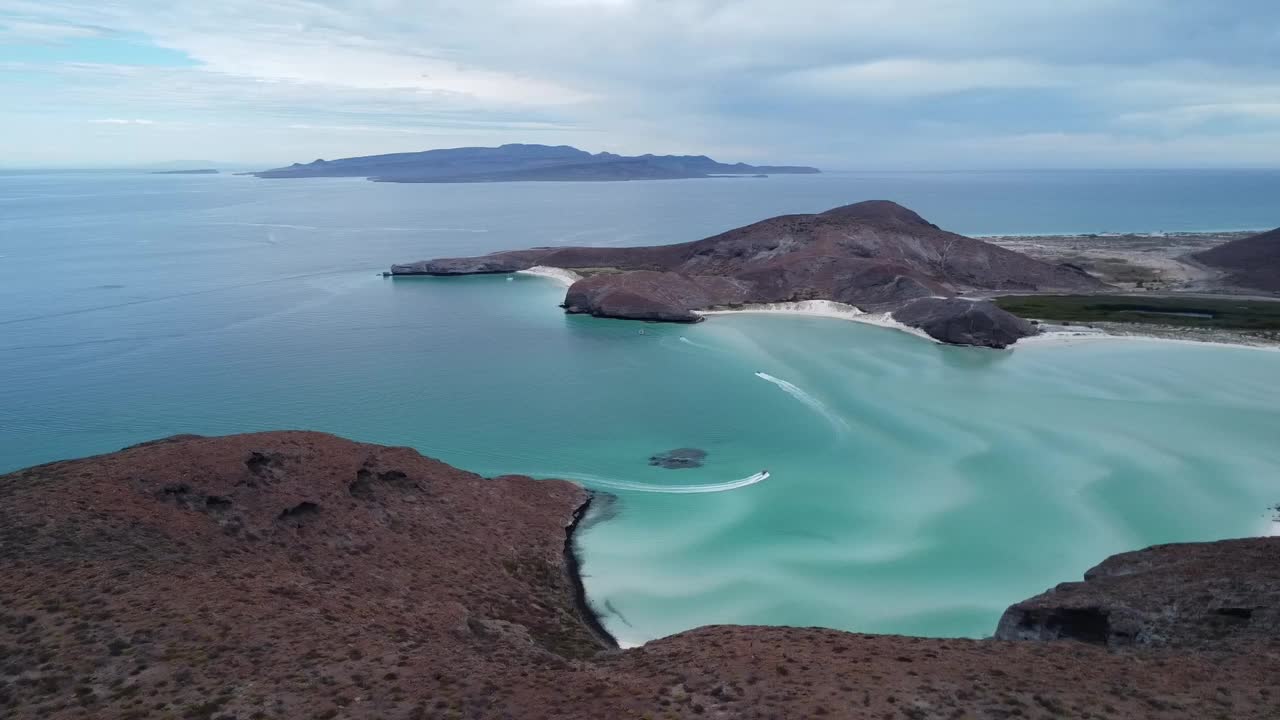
300 575
679 459
959 321
1251 262
1200 595
874 255
649 295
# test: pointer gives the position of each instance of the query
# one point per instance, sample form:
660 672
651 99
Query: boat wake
814 403
687 341
594 482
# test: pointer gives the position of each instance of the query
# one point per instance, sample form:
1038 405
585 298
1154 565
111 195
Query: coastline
560 275
573 569
1112 234
842 311
1068 338
827 309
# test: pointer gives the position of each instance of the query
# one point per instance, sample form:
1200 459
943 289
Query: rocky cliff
875 255
299 575
1221 594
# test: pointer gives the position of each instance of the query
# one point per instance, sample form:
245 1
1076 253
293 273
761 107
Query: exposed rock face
299 575
875 254
964 322
1252 262
649 295
1202 595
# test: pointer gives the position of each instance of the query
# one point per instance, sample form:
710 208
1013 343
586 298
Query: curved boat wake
595 482
814 403
687 341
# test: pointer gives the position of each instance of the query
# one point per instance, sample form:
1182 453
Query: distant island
518 162
201 171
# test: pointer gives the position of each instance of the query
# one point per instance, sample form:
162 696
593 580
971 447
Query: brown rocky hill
876 255
298 575
1167 595
1252 262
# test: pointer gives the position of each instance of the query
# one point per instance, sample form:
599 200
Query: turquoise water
914 488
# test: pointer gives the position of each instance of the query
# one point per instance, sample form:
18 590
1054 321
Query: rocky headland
877 256
300 575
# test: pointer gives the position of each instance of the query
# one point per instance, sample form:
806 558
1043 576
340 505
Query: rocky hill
1251 262
876 255
517 162
299 575
1167 595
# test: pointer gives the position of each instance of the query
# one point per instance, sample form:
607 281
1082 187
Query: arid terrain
1157 262
299 575
875 255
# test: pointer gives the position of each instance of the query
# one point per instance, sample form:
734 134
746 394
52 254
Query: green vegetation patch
1226 314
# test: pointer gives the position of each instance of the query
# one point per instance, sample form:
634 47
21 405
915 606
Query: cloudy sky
845 84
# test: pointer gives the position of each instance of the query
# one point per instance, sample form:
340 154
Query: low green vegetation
1225 314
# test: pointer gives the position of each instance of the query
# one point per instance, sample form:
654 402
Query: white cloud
1188 116
806 80
15 30
916 77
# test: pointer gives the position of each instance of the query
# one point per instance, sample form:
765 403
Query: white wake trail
596 482
687 341
814 403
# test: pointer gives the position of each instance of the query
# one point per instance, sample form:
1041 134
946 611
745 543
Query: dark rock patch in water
679 459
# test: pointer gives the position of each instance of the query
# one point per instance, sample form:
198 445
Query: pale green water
915 488
953 482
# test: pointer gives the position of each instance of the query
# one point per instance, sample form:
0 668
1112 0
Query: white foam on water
597 482
692 343
836 421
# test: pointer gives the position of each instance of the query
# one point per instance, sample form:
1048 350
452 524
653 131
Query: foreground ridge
875 255
300 575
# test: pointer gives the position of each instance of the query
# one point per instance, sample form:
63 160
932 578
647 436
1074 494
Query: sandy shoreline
1061 339
843 311
560 275
827 309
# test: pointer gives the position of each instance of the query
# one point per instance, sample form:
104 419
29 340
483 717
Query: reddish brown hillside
875 255
299 575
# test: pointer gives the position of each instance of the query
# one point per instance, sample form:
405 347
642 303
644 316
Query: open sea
914 488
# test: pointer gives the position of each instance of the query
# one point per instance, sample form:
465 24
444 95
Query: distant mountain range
510 163
201 171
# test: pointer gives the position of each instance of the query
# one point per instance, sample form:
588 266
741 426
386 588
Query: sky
842 84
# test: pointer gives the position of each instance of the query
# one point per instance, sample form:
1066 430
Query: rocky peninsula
877 256
300 575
